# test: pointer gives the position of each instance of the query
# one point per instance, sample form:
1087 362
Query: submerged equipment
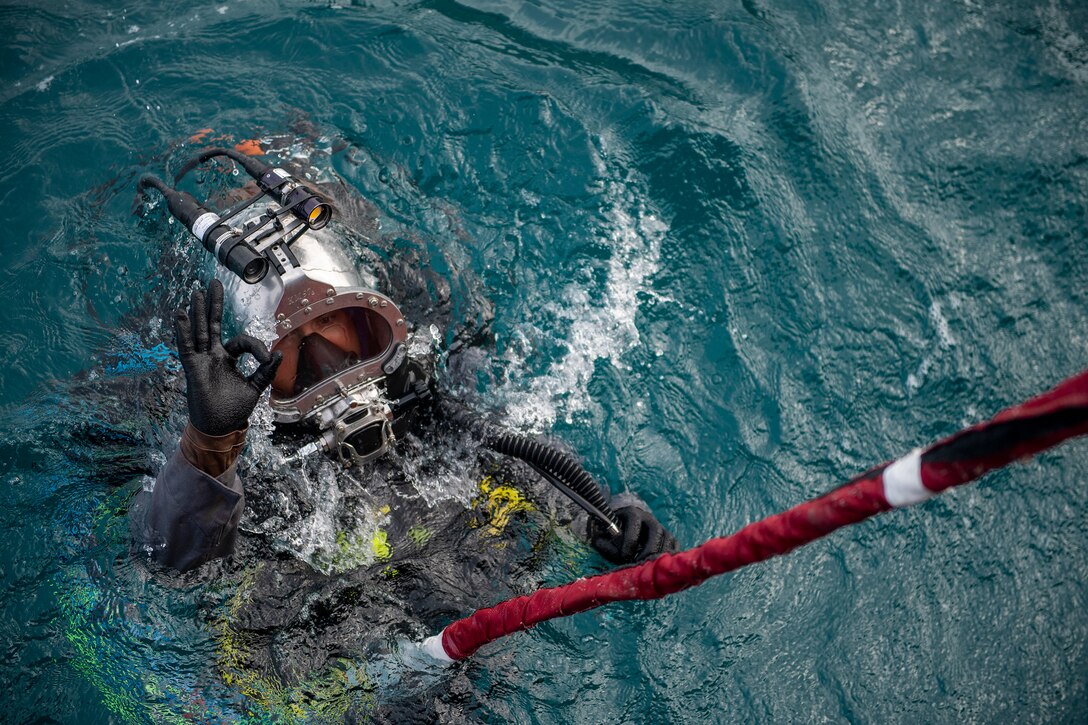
346 376
556 467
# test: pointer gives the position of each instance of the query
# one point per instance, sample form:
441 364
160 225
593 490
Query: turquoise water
737 252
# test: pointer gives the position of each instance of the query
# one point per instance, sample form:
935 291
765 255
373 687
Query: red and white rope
1015 433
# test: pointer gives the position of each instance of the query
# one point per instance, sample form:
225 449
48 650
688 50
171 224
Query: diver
343 382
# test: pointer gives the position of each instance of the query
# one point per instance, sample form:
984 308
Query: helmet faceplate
312 278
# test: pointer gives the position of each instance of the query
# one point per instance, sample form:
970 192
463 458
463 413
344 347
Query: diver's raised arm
198 499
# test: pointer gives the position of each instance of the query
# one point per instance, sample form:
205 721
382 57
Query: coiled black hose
556 467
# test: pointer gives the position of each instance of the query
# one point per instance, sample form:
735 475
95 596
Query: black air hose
253 167
558 468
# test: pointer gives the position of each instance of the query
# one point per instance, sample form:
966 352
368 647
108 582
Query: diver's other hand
641 537
221 398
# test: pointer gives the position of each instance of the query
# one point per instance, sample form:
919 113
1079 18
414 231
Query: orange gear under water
249 147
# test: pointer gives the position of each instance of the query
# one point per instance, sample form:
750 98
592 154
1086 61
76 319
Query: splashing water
600 327
884 204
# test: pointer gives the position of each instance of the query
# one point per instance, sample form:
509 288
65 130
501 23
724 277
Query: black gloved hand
641 536
221 398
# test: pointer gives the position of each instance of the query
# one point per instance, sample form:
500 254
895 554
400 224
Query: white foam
337 530
944 334
601 327
945 341
44 84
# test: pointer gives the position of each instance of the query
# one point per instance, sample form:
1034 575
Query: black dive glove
220 397
641 537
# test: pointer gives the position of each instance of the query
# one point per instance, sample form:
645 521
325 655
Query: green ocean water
737 253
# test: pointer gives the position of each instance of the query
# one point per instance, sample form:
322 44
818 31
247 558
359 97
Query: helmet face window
327 345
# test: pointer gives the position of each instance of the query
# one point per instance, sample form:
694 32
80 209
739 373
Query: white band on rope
433 646
903 481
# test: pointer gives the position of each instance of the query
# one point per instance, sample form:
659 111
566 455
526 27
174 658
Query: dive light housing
303 202
225 244
233 249
228 246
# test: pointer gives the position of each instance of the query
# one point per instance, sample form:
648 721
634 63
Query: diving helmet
345 375
343 343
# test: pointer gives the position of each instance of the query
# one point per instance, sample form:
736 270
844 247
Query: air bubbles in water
601 321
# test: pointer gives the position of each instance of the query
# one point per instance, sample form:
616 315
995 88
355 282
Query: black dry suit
311 627
292 628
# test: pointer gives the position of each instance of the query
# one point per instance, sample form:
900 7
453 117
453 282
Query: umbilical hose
558 468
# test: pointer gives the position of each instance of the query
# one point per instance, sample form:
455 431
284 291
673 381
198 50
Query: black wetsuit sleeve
193 517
